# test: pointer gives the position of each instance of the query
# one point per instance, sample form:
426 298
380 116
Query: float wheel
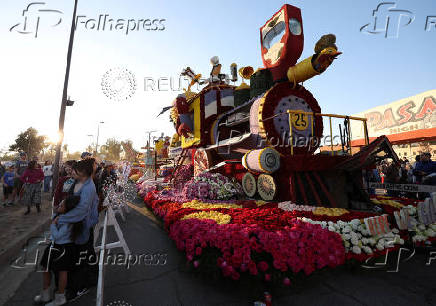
249 184
266 187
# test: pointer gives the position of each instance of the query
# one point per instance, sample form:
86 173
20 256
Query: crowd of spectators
421 171
78 198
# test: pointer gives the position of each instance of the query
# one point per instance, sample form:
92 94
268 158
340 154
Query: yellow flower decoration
220 218
260 203
392 203
174 114
387 201
195 204
329 211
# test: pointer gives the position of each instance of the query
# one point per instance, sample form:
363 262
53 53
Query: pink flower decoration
286 281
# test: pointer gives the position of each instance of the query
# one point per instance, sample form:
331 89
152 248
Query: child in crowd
8 185
60 256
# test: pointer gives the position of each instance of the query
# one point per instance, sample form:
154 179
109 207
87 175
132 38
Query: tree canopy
29 142
129 152
111 149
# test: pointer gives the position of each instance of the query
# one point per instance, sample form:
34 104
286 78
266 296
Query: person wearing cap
20 166
86 155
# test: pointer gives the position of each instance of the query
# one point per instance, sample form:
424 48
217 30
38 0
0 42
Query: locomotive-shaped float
266 134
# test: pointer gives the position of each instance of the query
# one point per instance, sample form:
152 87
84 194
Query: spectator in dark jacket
392 173
424 167
403 173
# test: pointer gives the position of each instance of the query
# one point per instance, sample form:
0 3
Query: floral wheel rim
268 121
249 184
266 187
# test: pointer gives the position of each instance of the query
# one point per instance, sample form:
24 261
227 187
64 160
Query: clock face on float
273 119
301 123
282 40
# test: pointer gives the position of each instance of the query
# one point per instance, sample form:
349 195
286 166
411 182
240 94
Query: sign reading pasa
406 115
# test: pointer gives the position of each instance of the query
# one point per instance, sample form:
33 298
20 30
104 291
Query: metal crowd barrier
101 265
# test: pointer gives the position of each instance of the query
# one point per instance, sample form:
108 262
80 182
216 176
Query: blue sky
372 70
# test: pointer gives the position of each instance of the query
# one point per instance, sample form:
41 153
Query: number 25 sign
300 121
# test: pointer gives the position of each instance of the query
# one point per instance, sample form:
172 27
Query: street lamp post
98 134
64 101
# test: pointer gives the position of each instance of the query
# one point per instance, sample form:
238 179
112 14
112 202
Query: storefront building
409 123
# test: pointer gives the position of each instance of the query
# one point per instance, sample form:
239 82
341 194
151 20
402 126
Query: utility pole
64 101
98 134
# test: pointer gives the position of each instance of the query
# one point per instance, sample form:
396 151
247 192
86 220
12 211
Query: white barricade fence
105 220
111 221
115 202
101 266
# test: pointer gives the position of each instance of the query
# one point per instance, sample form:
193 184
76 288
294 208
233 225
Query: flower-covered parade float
252 194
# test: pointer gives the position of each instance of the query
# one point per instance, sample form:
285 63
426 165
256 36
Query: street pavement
18 232
172 282
16 227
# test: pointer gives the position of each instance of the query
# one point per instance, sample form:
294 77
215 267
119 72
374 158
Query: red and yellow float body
201 111
220 131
